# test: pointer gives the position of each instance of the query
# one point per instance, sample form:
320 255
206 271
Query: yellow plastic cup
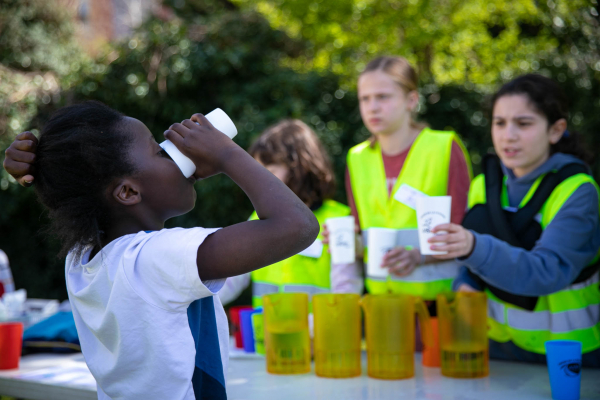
462 319
337 335
390 331
287 342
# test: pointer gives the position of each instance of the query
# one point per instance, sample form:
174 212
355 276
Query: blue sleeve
464 277
566 247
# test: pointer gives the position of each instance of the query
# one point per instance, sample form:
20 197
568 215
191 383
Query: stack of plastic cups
259 331
234 317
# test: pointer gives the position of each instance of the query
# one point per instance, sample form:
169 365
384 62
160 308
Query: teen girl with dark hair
143 298
531 237
294 154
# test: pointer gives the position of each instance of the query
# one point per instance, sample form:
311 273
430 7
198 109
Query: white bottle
220 121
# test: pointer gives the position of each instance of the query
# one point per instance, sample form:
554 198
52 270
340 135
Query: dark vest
519 229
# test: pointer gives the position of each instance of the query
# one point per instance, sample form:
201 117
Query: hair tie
565 133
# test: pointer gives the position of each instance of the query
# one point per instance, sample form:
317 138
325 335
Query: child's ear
557 130
127 192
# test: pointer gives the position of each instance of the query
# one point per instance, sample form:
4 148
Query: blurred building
100 21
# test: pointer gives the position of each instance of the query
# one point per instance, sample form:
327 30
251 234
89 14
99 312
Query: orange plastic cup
431 354
11 342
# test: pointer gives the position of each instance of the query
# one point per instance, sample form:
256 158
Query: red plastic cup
11 342
234 317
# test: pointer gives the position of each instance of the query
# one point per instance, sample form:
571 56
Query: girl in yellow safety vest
532 233
401 161
293 153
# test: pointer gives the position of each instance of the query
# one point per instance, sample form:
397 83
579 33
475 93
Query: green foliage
39 58
451 41
168 71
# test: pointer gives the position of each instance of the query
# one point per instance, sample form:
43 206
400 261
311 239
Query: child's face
521 135
384 106
281 171
164 191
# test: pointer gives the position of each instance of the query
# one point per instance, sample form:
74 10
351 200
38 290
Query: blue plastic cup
564 367
247 331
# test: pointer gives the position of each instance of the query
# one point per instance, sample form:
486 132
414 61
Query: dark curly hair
548 98
82 149
292 143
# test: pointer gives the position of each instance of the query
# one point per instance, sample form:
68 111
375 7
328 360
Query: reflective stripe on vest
299 273
570 314
261 288
558 322
425 169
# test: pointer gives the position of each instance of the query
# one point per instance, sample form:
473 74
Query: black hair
548 98
82 149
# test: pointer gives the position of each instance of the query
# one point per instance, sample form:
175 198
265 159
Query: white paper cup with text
341 239
379 242
431 212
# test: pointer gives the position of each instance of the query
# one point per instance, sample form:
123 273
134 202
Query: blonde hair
399 69
292 143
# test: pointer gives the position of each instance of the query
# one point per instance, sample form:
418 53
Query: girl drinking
143 296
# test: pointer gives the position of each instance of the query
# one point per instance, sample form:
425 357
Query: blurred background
260 61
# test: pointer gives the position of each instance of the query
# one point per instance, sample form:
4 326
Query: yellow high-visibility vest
426 169
299 273
572 313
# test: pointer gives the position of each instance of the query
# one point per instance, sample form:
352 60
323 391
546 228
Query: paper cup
431 212
222 122
341 239
380 241
219 120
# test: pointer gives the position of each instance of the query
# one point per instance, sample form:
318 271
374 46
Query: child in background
294 154
541 279
133 285
402 158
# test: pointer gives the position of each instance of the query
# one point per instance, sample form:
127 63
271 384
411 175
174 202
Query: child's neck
398 141
127 227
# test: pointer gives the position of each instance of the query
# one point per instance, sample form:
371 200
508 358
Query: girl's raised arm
286 225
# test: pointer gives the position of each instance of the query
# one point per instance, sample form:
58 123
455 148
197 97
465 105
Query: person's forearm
286 225
270 197
537 272
566 246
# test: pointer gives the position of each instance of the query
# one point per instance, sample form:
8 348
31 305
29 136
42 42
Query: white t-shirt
130 308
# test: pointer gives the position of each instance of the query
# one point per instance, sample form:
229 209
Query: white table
66 377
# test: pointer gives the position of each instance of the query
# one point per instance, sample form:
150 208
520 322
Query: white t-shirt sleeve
161 267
